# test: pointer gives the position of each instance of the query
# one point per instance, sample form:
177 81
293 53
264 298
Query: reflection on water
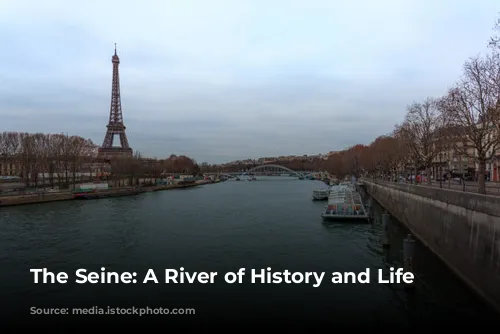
271 222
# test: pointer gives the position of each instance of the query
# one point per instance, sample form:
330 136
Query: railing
492 188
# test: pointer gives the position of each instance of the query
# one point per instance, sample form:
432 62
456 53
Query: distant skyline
229 80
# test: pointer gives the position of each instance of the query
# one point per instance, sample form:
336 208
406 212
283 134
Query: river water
223 227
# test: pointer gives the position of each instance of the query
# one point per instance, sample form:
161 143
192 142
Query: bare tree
387 155
39 157
51 158
77 156
473 108
56 163
27 153
136 168
421 131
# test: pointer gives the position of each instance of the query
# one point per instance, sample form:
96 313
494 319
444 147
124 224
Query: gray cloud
223 80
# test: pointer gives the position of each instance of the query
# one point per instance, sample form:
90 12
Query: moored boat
321 194
344 203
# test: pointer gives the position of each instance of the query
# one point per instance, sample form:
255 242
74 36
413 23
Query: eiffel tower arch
115 126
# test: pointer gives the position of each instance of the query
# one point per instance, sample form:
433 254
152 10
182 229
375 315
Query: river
223 227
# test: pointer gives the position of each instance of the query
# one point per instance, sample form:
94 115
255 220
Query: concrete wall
463 229
31 199
12 185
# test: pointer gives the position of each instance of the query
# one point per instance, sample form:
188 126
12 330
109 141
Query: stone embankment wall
67 195
463 229
31 199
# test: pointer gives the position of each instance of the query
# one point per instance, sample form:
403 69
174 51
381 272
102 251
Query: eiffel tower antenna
115 125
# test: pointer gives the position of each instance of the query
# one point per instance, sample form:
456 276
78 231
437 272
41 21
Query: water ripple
222 227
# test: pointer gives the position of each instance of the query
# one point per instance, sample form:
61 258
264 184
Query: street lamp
440 170
463 176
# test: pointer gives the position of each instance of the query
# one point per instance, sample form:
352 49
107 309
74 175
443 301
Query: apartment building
10 167
456 158
492 165
462 160
494 168
492 171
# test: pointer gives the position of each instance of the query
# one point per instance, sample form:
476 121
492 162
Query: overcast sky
224 80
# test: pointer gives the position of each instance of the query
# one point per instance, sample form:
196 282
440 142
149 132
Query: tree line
297 164
64 160
35 155
465 121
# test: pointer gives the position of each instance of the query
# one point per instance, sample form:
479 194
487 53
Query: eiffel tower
115 125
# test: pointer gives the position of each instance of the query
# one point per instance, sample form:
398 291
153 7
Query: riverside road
492 188
269 223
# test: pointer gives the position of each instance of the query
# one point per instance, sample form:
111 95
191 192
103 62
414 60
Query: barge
345 203
321 194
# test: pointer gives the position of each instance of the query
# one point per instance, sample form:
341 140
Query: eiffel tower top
115 58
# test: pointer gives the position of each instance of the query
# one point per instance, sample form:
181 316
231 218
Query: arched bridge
271 169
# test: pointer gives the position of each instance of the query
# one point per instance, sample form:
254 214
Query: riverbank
68 195
459 227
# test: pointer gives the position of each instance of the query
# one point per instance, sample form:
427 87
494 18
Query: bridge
270 170
267 170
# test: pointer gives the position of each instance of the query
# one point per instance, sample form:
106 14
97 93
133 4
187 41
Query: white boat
345 203
321 194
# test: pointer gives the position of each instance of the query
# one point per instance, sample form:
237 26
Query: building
459 157
462 159
494 168
456 157
10 166
491 168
